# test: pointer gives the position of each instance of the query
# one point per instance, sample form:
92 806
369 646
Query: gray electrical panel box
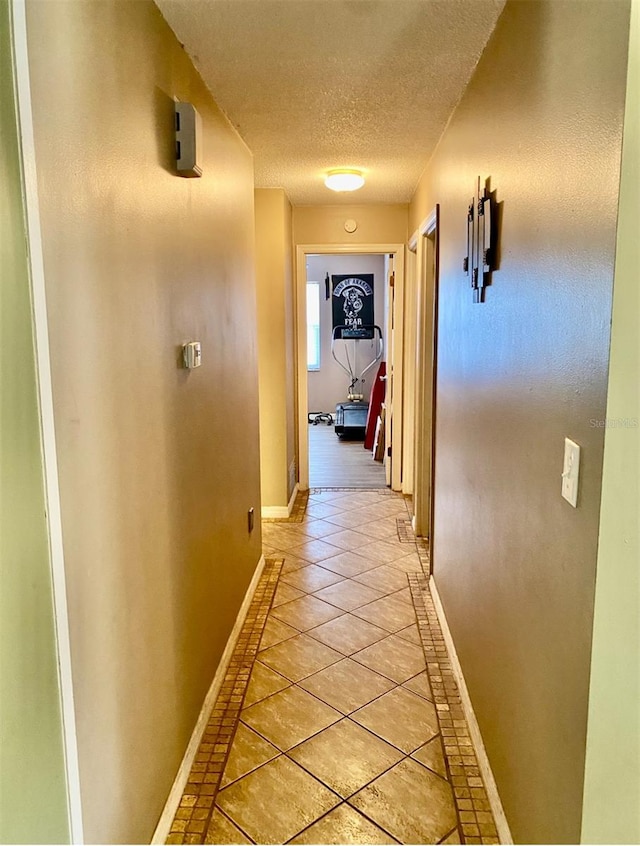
188 140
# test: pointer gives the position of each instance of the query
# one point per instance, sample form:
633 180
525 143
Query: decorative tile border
472 804
405 531
422 548
406 535
381 491
297 512
194 813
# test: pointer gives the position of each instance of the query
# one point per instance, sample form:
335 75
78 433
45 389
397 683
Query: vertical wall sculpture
479 260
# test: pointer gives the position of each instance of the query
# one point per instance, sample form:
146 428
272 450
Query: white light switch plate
570 472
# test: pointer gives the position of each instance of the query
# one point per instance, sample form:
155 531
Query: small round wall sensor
350 225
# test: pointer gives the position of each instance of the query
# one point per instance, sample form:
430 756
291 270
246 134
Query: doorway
326 460
425 245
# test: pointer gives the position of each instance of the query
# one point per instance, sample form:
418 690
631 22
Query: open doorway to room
344 405
342 370
425 246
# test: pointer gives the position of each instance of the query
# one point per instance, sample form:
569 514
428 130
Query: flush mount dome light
344 180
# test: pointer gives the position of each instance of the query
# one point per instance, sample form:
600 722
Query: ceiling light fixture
344 180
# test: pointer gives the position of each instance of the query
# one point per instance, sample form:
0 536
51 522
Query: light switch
570 472
192 355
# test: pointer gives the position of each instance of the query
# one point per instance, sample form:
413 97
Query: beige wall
158 466
329 385
611 812
32 764
274 277
514 562
377 224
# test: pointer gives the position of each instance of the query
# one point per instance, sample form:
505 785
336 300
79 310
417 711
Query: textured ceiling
317 84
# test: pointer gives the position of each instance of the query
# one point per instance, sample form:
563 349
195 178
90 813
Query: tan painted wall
274 277
514 562
377 224
158 466
611 811
32 764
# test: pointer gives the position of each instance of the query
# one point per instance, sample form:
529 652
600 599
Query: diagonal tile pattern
344 722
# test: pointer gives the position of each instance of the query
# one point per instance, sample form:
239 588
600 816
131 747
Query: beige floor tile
349 540
350 519
222 830
347 594
389 506
408 564
292 563
314 550
289 717
285 593
248 752
345 757
327 496
306 612
276 802
454 837
390 613
263 683
420 684
385 578
312 578
319 528
426 818
347 685
275 631
348 564
282 537
357 500
322 510
385 551
400 717
343 825
382 529
411 634
348 634
393 657
299 657
431 756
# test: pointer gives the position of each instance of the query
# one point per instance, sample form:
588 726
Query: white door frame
425 244
45 399
302 251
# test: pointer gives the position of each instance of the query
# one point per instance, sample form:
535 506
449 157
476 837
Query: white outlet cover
571 472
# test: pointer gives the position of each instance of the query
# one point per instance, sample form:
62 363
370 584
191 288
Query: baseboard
164 824
474 729
292 499
279 512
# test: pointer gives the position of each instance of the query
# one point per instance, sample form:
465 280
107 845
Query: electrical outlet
571 472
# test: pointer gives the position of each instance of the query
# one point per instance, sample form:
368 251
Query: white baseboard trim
474 729
164 824
279 512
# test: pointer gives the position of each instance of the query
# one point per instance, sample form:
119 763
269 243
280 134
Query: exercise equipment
351 416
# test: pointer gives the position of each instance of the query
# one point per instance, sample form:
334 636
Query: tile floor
339 720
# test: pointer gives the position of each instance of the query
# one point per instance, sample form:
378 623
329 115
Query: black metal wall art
480 258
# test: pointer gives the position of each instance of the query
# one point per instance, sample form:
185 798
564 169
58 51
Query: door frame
22 94
302 251
425 243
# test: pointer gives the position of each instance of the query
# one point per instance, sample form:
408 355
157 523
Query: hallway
349 706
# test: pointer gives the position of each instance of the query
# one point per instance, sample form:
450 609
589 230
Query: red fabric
375 404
